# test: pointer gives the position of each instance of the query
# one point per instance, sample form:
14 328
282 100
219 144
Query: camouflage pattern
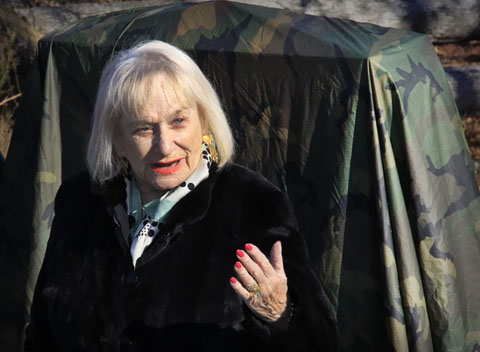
357 124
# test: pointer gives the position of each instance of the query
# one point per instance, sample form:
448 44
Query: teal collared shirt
156 209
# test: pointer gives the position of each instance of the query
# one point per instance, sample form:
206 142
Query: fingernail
240 253
248 246
233 280
238 265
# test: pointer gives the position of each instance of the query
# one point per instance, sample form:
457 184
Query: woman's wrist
284 320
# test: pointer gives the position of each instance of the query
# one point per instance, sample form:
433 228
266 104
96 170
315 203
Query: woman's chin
165 185
165 182
160 179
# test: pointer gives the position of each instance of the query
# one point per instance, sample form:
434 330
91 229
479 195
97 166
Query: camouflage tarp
357 124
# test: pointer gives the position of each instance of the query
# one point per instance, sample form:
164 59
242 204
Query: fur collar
189 210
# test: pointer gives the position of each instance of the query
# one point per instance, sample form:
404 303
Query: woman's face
163 146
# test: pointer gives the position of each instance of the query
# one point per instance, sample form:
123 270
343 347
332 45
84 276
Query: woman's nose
164 142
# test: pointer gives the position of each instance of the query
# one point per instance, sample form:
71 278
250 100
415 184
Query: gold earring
208 140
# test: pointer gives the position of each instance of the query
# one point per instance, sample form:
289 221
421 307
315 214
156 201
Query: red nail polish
238 265
240 253
233 280
248 246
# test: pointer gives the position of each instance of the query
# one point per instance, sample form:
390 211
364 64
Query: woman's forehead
155 94
169 92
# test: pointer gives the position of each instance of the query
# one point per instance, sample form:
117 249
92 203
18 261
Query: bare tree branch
6 100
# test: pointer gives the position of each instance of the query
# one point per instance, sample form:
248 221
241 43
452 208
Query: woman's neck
147 197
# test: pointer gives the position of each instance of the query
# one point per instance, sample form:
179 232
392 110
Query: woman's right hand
262 283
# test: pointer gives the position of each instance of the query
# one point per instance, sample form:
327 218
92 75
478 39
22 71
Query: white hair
125 88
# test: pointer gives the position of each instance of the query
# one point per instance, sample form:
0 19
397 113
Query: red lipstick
166 168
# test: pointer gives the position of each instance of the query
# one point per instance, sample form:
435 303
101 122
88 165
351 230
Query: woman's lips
166 168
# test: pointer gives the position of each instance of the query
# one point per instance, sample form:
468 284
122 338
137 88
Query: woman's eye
142 130
178 121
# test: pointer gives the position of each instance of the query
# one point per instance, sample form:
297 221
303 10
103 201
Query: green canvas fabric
354 121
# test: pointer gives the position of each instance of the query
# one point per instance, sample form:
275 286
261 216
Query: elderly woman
166 244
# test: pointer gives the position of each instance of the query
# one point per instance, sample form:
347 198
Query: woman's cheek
141 147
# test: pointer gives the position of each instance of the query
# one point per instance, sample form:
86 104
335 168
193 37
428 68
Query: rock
442 20
46 19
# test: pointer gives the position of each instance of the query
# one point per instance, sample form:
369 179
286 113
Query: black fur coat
90 298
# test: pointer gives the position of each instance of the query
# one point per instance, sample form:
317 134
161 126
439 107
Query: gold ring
253 290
